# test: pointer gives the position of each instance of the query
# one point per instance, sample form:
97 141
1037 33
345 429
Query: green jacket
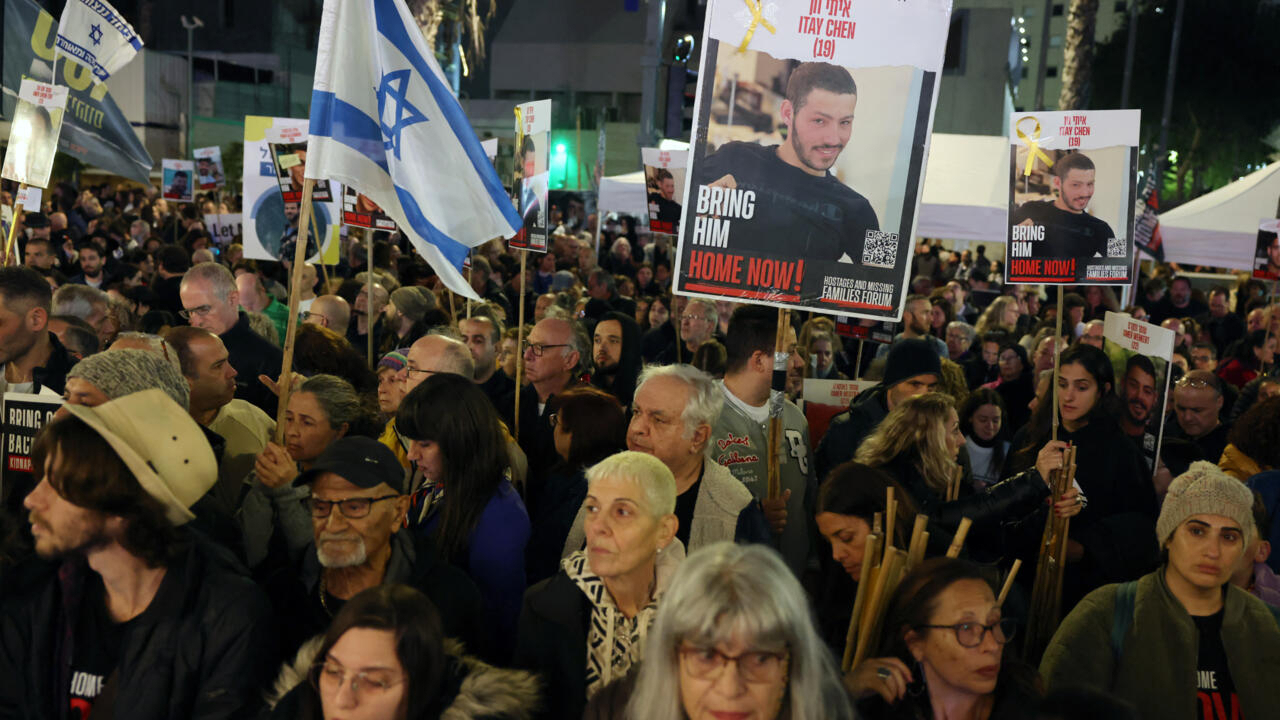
279 314
1157 668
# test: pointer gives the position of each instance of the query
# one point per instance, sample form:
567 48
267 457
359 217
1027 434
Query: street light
191 25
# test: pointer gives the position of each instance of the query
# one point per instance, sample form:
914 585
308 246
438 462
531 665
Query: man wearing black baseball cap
358 506
913 368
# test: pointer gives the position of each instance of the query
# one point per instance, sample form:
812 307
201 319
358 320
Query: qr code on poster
880 248
1116 248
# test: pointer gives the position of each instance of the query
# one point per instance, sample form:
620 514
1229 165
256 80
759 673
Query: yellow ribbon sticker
1033 145
756 8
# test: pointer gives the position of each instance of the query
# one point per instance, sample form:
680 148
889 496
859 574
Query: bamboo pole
919 541
515 431
870 550
10 258
368 289
295 296
957 543
773 460
1008 581
876 604
890 513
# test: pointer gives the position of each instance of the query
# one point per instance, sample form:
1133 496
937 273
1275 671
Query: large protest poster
533 131
1140 354
209 174
359 211
289 155
811 130
177 180
33 135
223 228
24 415
268 220
1266 255
664 176
1072 196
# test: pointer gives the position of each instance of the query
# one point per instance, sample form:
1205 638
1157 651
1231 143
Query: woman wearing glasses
465 502
732 638
321 410
942 654
385 657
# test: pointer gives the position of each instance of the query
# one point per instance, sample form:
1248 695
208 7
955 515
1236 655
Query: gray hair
78 301
713 317
264 326
725 592
337 398
970 334
221 282
705 399
455 356
645 472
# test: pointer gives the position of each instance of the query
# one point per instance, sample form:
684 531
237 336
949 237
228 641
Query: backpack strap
1122 617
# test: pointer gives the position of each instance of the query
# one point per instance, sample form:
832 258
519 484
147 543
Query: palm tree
1077 55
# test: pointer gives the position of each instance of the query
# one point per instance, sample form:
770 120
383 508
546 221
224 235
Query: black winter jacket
203 649
849 429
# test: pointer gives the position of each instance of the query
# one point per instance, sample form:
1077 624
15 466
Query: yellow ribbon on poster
1033 145
756 7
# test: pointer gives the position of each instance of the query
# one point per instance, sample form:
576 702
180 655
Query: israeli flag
384 121
93 34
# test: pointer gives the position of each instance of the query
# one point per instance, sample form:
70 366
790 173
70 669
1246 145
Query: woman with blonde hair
1001 314
917 445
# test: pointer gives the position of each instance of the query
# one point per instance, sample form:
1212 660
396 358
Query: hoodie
621 380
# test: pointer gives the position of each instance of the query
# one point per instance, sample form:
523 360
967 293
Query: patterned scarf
614 641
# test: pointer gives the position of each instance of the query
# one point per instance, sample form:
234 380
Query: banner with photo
223 228
533 130
811 130
33 134
1140 354
177 180
359 211
1266 255
1072 196
664 175
269 221
289 155
209 173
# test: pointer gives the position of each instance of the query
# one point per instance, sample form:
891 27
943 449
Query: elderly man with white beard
358 503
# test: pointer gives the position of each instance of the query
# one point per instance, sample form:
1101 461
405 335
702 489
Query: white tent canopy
966 189
1221 227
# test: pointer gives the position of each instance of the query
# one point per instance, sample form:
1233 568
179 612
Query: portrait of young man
1069 230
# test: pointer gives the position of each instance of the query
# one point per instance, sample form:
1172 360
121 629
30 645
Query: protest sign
664 175
1266 256
95 131
289 156
177 180
33 135
359 211
1072 196
834 392
875 331
533 128
490 148
223 228
269 221
24 415
791 200
29 197
1140 353
209 173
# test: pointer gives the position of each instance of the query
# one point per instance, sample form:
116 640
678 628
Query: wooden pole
1008 581
515 431
1057 356
884 585
368 289
869 553
890 514
957 543
295 296
919 541
10 258
857 366
775 409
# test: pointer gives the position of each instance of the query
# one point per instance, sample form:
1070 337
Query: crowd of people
456 516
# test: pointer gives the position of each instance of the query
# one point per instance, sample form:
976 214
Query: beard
85 535
358 555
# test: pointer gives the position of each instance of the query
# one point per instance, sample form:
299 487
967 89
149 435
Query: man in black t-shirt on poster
664 211
1069 231
800 207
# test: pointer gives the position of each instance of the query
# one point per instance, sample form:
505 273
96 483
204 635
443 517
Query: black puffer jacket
203 649
849 429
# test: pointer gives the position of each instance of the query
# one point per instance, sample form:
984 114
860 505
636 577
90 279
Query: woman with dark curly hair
319 350
1254 442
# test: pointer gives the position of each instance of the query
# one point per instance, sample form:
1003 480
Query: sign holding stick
295 297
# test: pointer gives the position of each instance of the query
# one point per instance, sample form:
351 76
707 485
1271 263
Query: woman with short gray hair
731 605
586 626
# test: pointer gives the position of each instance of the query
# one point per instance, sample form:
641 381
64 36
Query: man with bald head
255 298
361 310
432 354
553 356
329 311
307 285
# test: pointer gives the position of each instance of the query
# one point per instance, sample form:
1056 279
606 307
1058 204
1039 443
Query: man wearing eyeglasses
329 311
358 504
1197 407
211 300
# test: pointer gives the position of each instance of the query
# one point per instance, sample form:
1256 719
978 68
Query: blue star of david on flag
95 34
394 105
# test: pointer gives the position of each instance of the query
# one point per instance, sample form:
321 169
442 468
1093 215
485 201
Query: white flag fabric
94 34
384 121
